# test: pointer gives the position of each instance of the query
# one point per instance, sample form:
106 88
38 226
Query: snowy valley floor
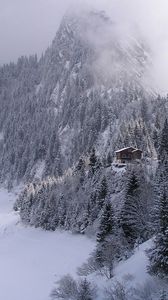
31 260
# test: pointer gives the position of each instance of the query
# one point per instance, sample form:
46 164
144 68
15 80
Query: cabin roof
126 148
137 150
133 150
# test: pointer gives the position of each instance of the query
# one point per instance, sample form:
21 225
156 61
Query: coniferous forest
62 118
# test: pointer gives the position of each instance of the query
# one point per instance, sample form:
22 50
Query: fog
28 27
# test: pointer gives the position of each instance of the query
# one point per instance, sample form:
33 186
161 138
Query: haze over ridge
28 27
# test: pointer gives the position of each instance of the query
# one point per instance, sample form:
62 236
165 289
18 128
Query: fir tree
158 255
164 212
106 222
93 158
155 138
102 192
132 185
129 209
163 147
94 161
136 209
106 229
80 170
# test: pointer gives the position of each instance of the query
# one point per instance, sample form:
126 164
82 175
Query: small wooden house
128 154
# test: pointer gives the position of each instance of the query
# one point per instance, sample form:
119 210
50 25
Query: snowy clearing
31 259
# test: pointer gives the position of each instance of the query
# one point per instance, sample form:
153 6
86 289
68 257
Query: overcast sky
28 26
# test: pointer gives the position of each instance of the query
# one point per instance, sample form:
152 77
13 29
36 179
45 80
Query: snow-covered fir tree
136 208
158 255
107 222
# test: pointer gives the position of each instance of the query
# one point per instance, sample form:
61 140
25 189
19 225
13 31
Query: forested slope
84 92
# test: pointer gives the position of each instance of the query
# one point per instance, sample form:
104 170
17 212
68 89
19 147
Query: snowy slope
136 265
32 260
131 273
132 277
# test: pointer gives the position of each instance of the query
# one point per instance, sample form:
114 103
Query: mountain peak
115 53
78 93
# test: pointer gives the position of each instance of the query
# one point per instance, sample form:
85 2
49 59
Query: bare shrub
117 291
69 289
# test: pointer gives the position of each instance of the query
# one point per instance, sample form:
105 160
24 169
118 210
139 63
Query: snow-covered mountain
61 119
88 89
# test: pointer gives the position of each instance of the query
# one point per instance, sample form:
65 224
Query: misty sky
28 26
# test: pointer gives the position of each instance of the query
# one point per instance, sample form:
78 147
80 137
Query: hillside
80 210
83 92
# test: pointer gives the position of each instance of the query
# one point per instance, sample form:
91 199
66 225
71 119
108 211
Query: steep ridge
87 90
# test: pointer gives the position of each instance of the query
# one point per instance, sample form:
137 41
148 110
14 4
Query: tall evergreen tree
164 211
94 162
160 183
158 255
132 185
135 213
106 222
93 158
106 229
102 192
163 147
129 209
80 170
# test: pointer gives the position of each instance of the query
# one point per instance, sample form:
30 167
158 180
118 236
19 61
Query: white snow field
31 260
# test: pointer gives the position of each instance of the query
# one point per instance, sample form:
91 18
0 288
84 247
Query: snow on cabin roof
137 150
126 148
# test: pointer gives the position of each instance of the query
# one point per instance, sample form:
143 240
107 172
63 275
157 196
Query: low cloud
28 27
150 19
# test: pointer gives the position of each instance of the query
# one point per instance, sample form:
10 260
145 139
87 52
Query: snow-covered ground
132 273
136 265
31 260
